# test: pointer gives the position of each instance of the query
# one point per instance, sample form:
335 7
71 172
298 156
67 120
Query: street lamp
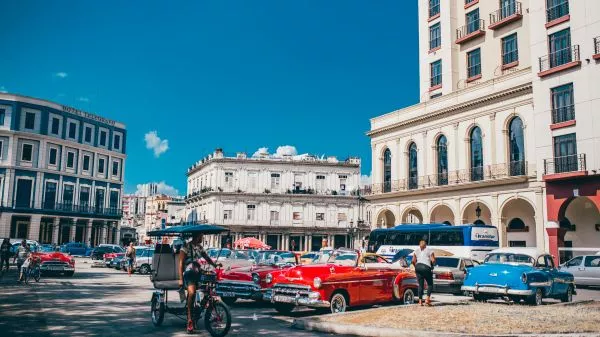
478 211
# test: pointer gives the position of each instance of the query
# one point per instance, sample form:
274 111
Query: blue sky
239 75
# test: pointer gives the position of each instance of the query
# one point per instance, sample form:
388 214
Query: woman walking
423 259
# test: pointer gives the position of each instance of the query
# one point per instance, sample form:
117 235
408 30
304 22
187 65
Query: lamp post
478 211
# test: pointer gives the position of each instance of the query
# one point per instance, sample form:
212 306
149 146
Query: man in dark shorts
424 260
189 271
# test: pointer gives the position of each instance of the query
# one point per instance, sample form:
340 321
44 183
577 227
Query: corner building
300 203
61 172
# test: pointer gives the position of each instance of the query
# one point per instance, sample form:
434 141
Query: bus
472 241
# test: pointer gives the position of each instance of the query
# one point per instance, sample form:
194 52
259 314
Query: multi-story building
498 83
61 172
565 47
147 190
175 212
290 202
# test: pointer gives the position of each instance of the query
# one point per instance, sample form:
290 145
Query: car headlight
524 278
317 282
255 278
269 278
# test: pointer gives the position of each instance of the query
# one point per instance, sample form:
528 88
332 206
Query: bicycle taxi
165 277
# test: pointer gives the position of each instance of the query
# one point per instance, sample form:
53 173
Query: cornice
266 163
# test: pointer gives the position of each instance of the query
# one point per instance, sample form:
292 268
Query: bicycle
33 271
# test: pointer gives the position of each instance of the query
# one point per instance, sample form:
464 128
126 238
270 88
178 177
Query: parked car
116 262
143 260
98 252
232 258
519 274
449 273
347 279
56 262
585 269
308 258
33 245
75 248
250 282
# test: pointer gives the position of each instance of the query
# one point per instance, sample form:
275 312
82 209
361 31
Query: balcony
563 117
454 179
565 167
506 15
559 60
596 48
65 209
557 14
470 31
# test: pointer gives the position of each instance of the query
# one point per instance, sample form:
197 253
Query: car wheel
144 269
479 297
408 297
229 300
284 308
537 297
338 303
568 297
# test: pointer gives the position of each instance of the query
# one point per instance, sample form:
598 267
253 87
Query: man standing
21 256
423 259
5 254
130 256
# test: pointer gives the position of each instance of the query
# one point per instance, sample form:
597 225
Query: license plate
284 299
228 294
56 268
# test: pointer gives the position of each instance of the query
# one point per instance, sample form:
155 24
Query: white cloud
365 180
3 90
261 151
61 74
285 150
161 187
154 143
84 99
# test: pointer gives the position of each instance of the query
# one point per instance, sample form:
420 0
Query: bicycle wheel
37 274
217 319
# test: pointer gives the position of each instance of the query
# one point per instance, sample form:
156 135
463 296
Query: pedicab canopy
188 230
251 243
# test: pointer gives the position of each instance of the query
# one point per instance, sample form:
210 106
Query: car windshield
509 258
402 253
308 256
343 258
46 249
221 253
270 258
449 262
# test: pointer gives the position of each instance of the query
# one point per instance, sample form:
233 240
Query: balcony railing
559 58
563 114
66 208
454 178
565 164
505 14
471 29
558 11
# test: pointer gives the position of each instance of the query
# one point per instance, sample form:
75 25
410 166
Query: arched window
387 171
516 146
476 154
413 173
442 160
516 225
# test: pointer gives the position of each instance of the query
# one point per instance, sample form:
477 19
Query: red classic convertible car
347 279
249 282
56 262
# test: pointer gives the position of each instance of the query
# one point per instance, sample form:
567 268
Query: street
107 302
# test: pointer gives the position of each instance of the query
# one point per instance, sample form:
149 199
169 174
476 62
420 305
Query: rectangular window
53 156
115 168
102 138
30 120
510 49
113 201
72 130
252 181
275 181
117 142
55 126
556 9
434 7
559 45
343 180
50 195
1 154
87 135
70 160
227 214
297 215
2 116
473 22
84 196
563 103
436 73
474 63
27 152
320 183
274 215
565 153
68 191
251 212
342 217
435 36
436 95
517 243
101 166
229 179
320 217
86 162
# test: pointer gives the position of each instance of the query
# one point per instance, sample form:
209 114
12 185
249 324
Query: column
72 231
309 242
34 227
539 221
88 232
55 228
457 216
493 138
103 233
118 234
495 218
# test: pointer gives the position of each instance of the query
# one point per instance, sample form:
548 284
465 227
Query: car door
574 267
558 284
372 281
591 270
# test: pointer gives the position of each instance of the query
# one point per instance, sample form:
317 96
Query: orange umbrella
252 243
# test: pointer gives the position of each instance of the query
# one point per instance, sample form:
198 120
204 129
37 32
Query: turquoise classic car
519 274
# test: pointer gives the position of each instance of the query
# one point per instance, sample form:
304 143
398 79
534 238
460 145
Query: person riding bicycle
189 271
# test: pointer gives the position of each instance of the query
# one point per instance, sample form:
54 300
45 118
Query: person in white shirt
423 259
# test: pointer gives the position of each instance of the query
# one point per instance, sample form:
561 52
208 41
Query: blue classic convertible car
519 274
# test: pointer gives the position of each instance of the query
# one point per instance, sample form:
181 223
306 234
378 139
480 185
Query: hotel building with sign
292 202
494 138
61 172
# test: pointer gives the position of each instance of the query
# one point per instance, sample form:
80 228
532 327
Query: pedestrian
5 254
130 256
423 259
22 255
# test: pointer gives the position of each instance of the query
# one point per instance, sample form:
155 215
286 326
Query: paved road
106 302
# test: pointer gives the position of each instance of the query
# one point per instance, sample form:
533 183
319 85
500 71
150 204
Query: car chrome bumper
496 290
239 289
56 268
314 302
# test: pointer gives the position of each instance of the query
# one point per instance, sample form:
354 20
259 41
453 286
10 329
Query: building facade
292 202
481 146
61 172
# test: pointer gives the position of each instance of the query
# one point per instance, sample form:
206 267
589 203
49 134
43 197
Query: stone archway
469 215
386 219
442 214
579 220
412 216
518 219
